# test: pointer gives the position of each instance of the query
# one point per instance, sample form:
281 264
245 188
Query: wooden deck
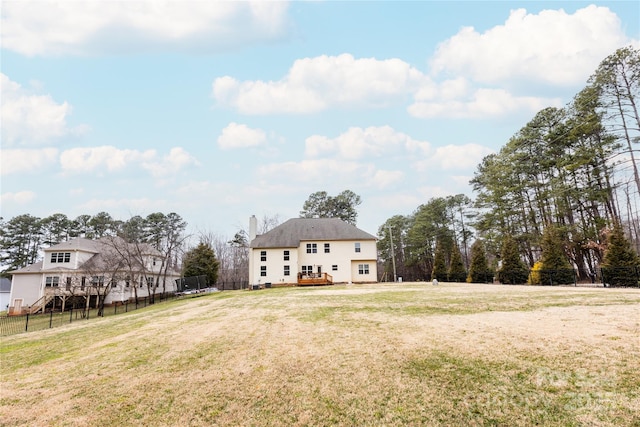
315 279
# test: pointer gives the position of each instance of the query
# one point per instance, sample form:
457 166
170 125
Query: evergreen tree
621 264
457 272
555 265
513 270
439 271
201 261
20 241
479 269
321 205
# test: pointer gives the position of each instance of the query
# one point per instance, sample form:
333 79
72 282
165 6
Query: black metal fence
233 285
607 277
553 277
10 325
621 277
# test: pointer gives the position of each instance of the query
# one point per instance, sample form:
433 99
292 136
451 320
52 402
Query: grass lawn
357 355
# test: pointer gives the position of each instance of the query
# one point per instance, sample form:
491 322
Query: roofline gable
290 233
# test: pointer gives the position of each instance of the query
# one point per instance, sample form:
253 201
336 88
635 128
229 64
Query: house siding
27 287
28 284
295 234
342 254
275 266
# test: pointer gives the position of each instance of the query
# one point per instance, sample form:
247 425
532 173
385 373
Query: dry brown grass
387 354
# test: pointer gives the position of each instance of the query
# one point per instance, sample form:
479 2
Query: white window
357 246
52 281
263 256
286 255
263 270
287 270
363 268
327 248
312 248
334 267
58 257
97 281
307 269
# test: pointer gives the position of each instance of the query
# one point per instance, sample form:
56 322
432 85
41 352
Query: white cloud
177 159
482 103
330 173
241 136
27 161
31 119
101 159
103 26
465 156
552 47
19 198
109 159
315 84
386 178
357 143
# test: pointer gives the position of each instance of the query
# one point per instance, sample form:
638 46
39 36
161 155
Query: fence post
71 315
26 325
50 318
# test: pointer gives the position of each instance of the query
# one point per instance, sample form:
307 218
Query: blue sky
221 110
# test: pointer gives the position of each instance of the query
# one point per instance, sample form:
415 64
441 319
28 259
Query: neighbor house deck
310 279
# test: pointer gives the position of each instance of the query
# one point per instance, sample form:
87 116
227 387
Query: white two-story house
304 251
80 271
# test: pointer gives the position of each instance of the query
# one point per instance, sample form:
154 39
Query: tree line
23 237
565 184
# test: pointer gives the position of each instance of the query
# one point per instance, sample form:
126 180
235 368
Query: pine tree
621 264
201 261
439 262
479 269
555 265
513 270
457 272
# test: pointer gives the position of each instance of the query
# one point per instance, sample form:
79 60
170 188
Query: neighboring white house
82 270
312 251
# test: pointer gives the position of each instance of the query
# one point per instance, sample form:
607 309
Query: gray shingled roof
78 243
290 233
33 268
97 247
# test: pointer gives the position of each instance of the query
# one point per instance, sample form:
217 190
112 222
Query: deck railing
315 279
